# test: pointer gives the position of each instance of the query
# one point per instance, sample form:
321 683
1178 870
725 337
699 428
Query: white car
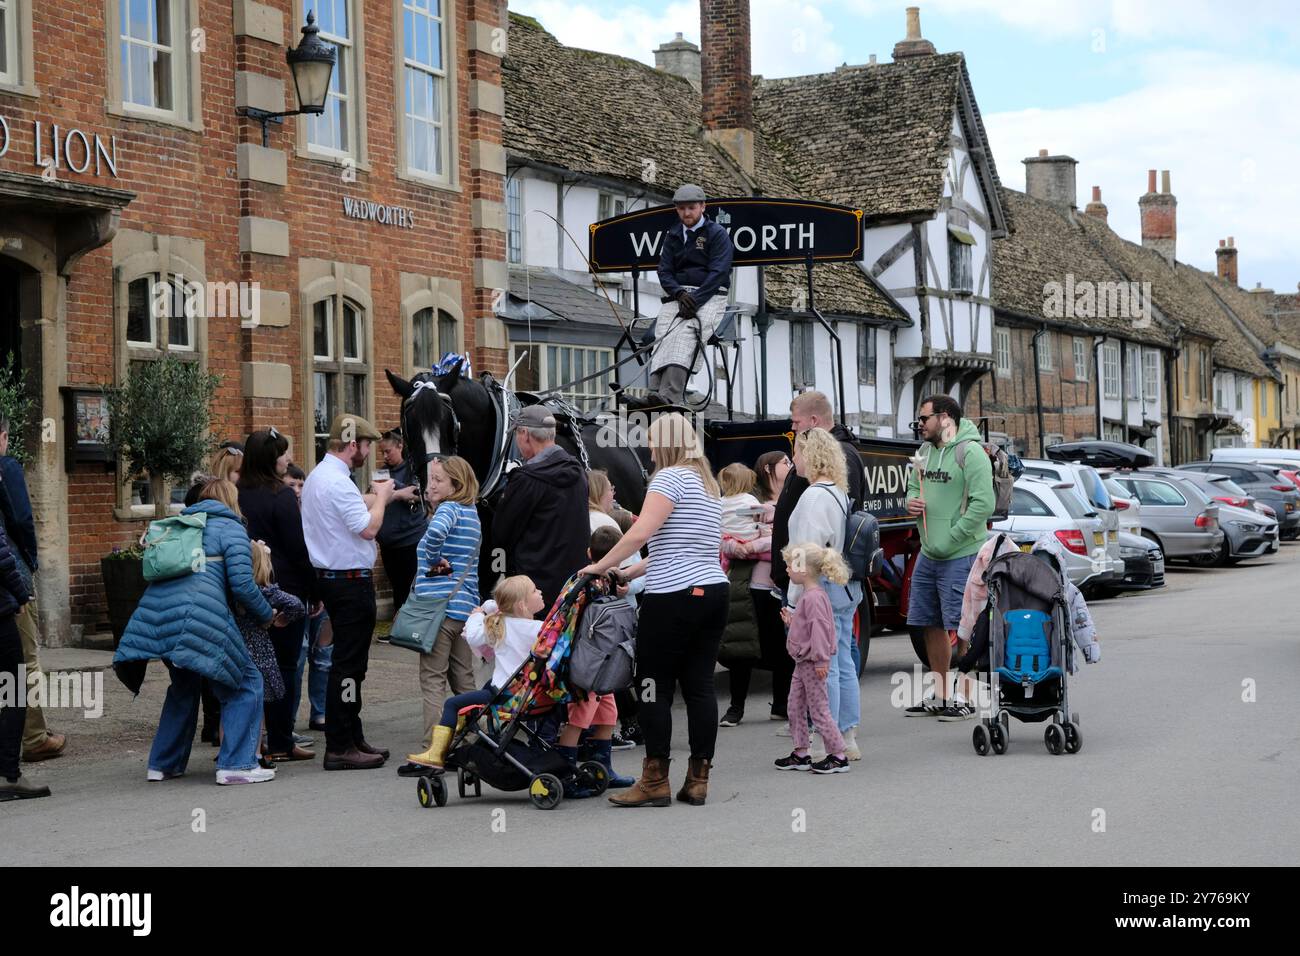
1041 505
1128 509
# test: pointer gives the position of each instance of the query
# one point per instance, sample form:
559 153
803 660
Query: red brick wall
725 77
187 185
1068 404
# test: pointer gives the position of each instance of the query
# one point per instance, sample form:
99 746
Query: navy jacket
704 262
187 620
17 509
13 590
272 515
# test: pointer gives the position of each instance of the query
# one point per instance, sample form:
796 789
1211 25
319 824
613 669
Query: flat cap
688 192
533 416
349 427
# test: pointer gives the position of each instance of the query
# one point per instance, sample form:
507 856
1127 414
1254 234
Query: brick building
374 234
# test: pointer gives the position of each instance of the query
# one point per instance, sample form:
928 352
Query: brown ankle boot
652 790
696 788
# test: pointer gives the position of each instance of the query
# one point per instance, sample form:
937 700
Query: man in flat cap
694 271
339 525
541 523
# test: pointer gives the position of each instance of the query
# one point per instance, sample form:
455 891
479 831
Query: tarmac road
1184 770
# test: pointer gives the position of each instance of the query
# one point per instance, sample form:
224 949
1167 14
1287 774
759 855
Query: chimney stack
1159 211
1226 255
680 57
726 83
913 44
1051 178
1097 208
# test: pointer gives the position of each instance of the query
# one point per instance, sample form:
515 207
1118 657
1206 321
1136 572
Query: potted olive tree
159 420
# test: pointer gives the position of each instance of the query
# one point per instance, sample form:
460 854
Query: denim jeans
842 689
241 721
319 675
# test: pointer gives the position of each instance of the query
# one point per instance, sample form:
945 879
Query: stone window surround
450 124
359 156
428 292
323 279
187 97
22 77
152 254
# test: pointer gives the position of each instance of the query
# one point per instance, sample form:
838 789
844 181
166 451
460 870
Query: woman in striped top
683 608
447 567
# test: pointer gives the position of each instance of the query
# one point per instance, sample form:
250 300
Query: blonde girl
811 642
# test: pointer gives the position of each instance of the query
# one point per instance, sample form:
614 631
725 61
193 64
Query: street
1176 769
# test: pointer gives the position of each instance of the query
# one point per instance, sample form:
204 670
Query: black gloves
687 305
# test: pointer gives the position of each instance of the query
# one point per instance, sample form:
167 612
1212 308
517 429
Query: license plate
1114 536
1099 538
1026 548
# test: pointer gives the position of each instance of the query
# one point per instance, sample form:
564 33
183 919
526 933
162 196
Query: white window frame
1110 370
349 69
803 354
1150 375
442 86
1080 360
609 205
1133 375
10 65
514 220
185 110
1002 351
589 394
1238 393
337 364
1043 348
867 355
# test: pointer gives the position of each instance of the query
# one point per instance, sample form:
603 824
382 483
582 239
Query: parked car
1265 484
1176 515
1091 492
1144 565
1041 505
1128 510
1286 457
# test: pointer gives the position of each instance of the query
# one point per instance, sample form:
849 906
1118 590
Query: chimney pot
1226 261
914 23
1159 212
1222 244
1164 181
1231 243
1096 194
1151 180
1042 152
913 44
871 61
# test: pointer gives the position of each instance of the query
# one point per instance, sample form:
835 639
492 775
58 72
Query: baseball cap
358 429
533 416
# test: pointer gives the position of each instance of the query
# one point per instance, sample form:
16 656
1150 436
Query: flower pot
124 585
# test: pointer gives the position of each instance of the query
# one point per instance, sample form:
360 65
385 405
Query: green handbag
419 619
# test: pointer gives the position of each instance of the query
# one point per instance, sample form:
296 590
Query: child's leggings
808 696
453 705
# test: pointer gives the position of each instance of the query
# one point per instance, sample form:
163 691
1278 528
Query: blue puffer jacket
187 620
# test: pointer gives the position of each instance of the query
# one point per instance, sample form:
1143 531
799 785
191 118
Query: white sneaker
155 775
783 730
851 750
252 775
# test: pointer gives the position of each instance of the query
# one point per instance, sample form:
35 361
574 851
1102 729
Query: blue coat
187 620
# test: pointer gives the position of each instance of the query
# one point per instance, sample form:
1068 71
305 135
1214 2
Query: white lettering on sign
55 148
785 238
377 212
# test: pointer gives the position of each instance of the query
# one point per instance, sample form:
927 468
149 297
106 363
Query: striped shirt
454 533
684 552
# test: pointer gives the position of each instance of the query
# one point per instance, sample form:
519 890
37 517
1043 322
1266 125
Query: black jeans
774 657
400 564
280 714
678 634
11 718
350 603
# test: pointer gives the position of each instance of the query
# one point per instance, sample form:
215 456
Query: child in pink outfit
811 642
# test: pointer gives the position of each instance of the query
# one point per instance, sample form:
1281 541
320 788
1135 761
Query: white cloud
1219 125
788 37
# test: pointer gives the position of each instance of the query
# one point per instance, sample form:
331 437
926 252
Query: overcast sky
1206 89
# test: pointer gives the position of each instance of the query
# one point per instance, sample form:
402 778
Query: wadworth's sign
764 231
55 147
371 211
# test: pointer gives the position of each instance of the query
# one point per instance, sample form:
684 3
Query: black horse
451 414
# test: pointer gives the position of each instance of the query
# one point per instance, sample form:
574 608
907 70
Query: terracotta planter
124 585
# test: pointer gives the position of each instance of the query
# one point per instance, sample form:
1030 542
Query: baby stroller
508 742
1030 652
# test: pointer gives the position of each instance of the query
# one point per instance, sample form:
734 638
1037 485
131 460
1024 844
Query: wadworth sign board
764 231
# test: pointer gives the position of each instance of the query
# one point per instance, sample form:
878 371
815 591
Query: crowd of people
743 569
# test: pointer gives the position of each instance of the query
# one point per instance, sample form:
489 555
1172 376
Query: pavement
1191 757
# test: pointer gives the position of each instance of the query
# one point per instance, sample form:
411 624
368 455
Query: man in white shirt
339 524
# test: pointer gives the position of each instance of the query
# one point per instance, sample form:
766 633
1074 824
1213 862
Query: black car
1144 565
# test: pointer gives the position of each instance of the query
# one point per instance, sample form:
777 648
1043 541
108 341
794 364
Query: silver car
1090 489
1247 532
1176 514
1040 505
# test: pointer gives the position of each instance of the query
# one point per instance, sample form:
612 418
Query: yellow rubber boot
436 755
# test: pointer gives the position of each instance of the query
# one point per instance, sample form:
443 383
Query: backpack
1003 483
604 650
174 546
861 551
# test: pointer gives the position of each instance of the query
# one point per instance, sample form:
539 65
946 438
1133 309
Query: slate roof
1044 244
871 136
563 299
1252 308
1180 292
604 115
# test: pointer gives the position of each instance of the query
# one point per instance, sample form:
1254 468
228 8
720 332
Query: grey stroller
1030 652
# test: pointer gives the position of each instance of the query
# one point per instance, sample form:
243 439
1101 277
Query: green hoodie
947 532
